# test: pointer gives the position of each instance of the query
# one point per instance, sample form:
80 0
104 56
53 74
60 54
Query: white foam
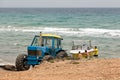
2 63
67 31
102 32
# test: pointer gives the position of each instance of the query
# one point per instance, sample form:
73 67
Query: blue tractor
43 47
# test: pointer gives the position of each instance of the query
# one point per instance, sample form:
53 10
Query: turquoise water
18 27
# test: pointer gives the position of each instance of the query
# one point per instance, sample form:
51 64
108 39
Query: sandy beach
94 69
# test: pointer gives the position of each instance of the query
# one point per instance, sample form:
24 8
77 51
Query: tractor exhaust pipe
40 39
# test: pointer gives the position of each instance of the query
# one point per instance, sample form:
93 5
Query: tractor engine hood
35 50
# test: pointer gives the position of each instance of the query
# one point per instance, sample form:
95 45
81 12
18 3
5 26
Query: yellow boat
84 49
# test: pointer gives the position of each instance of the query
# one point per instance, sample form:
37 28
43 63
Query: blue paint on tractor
42 45
50 46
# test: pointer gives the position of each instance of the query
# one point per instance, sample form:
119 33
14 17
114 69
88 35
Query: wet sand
94 69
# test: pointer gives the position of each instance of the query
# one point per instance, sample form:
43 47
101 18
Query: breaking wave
66 31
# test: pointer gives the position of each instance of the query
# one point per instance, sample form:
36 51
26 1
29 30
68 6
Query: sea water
19 25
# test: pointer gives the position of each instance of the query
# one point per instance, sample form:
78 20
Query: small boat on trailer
83 48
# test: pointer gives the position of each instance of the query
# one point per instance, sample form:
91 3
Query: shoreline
93 69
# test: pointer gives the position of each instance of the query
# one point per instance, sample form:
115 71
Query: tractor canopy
50 40
52 35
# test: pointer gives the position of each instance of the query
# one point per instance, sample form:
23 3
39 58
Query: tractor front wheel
21 63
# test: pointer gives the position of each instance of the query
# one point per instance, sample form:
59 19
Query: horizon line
59 7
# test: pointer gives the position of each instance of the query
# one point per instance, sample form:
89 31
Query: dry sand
94 69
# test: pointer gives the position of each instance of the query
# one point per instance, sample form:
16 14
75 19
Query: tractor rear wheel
21 63
61 54
47 58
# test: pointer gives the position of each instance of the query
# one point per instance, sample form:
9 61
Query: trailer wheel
47 58
21 63
61 54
